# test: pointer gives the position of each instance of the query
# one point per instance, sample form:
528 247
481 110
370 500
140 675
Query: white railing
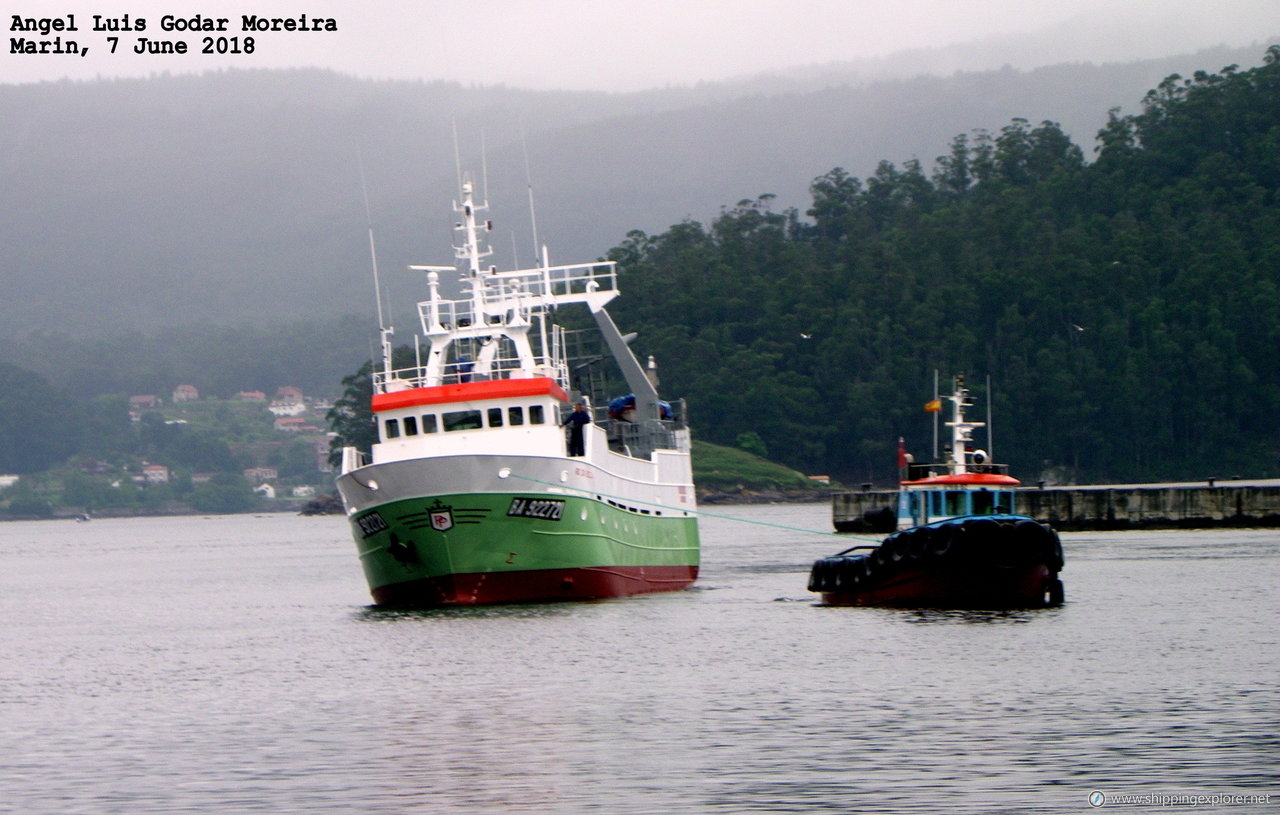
522 291
505 365
570 281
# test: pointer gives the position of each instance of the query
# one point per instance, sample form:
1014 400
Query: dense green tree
180 445
294 459
1125 310
225 493
39 424
351 417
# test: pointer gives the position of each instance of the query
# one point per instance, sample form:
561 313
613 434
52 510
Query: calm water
232 664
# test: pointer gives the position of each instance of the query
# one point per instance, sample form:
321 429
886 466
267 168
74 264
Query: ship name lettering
544 509
371 524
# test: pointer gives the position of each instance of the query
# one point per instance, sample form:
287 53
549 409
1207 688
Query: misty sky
635 44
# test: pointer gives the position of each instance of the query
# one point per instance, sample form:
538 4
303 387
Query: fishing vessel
481 488
959 541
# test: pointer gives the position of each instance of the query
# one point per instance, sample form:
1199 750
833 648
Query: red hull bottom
545 585
998 561
1032 586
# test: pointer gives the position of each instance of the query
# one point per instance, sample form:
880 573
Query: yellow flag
934 406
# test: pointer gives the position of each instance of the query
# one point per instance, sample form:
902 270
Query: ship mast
470 250
494 318
961 430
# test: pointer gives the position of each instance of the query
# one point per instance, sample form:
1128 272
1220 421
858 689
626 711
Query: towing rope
841 535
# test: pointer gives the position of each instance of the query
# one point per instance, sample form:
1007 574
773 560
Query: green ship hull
503 547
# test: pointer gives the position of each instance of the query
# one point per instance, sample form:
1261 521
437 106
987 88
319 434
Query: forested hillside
238 196
1126 310
1123 299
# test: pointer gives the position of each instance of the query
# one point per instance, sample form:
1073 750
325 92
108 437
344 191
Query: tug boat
959 542
475 492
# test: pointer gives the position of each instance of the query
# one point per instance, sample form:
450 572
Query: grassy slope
727 470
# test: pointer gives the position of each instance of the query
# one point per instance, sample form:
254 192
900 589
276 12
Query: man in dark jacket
576 421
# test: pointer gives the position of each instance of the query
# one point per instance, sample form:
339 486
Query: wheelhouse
967 483
475 417
927 504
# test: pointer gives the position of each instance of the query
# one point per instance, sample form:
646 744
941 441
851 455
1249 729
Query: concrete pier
1248 503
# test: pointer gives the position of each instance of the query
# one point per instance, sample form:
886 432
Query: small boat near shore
959 543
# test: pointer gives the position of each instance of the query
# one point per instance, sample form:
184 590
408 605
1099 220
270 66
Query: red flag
934 406
902 452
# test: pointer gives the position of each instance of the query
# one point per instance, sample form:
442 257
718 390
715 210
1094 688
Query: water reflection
966 616
387 614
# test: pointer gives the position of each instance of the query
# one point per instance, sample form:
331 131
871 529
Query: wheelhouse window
495 417
411 425
536 415
515 416
393 428
983 502
462 420
916 507
429 424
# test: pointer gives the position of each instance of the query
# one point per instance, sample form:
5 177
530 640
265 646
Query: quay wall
1129 506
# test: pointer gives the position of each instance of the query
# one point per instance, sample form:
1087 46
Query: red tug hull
987 562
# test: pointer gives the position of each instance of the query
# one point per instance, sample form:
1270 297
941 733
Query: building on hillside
250 396
140 403
295 424
288 402
185 393
261 475
155 474
287 408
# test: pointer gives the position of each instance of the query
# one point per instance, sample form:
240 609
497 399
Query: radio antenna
384 330
935 415
991 444
484 169
457 160
528 175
